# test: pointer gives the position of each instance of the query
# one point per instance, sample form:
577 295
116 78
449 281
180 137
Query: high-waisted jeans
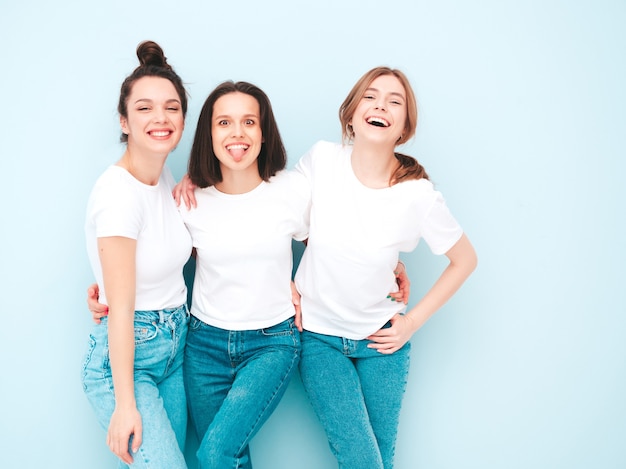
159 388
234 381
356 393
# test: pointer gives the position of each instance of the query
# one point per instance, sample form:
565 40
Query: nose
380 104
237 129
160 115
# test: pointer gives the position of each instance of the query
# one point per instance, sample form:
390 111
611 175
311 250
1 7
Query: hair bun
150 53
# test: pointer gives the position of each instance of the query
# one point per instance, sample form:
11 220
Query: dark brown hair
408 167
152 63
204 167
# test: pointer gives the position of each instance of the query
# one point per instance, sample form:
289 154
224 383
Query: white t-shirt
120 205
355 237
244 258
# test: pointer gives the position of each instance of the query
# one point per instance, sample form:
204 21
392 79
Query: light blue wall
523 121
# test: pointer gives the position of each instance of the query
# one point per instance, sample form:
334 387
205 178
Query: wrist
414 322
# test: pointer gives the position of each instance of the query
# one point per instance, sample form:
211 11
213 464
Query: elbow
473 262
471 258
468 255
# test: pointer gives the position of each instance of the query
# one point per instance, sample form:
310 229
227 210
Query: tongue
237 153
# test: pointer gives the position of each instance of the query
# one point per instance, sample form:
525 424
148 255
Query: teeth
160 133
378 121
237 147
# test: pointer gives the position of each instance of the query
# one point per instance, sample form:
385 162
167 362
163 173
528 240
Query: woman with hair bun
137 246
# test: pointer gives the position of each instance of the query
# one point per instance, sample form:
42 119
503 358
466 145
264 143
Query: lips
377 121
160 133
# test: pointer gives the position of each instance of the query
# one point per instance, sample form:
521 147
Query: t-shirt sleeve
301 190
440 229
115 211
305 165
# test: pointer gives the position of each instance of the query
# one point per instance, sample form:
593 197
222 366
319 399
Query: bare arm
463 261
117 257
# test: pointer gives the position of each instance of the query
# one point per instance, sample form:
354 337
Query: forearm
117 257
463 261
122 355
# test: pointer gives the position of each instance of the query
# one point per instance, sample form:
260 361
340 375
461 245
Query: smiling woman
369 203
137 246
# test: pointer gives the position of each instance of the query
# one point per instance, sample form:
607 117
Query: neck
238 182
373 164
145 168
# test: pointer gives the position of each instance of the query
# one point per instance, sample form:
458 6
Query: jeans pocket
145 332
195 323
282 328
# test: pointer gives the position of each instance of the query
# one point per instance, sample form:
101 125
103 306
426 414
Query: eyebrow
148 100
393 93
245 116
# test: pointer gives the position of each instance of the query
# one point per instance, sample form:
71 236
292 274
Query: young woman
137 245
369 203
243 344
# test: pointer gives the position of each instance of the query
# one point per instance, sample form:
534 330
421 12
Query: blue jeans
356 393
234 381
159 388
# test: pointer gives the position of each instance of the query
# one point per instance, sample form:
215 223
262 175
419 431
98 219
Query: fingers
396 296
404 284
187 201
97 316
98 310
298 319
384 345
298 316
190 198
119 442
389 339
295 299
187 189
137 438
176 194
119 447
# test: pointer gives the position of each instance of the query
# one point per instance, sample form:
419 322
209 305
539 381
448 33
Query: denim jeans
234 381
356 393
159 388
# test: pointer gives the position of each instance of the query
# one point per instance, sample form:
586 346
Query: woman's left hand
392 339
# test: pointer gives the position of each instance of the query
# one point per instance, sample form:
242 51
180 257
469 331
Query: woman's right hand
123 426
98 310
295 300
185 189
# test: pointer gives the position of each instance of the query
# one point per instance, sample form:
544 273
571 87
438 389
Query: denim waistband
162 315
